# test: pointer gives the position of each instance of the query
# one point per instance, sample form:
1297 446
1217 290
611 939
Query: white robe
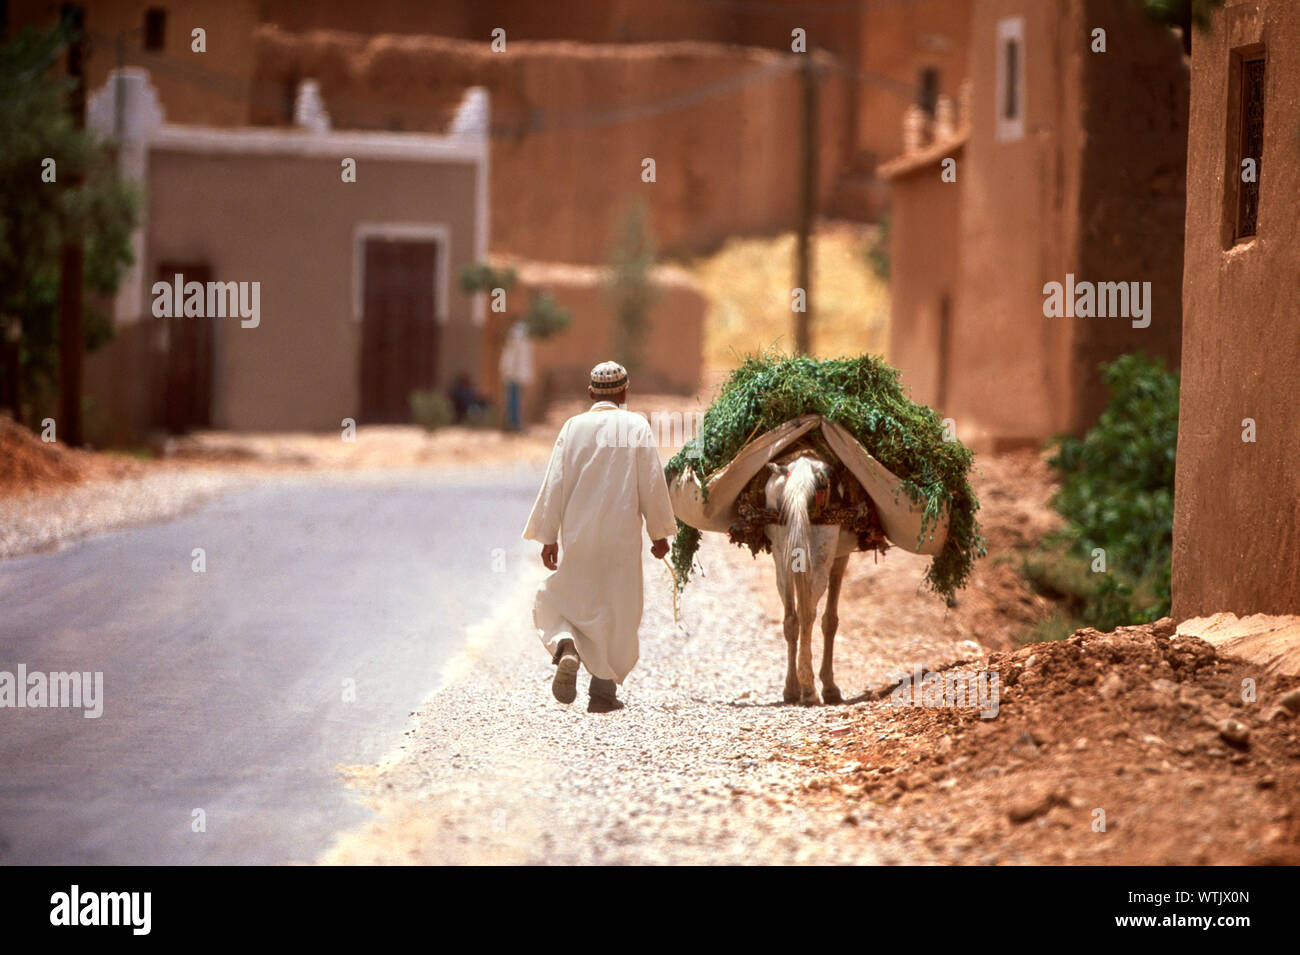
603 479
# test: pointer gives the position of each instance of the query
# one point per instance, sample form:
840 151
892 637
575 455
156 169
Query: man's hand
659 548
551 556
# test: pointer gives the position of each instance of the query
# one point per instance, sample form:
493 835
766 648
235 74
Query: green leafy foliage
481 277
85 201
631 290
1118 492
1183 14
545 316
864 395
1180 12
431 409
877 250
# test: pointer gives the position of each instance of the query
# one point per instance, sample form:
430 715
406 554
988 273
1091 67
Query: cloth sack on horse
900 519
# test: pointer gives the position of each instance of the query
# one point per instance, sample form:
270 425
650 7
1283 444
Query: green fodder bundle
864 396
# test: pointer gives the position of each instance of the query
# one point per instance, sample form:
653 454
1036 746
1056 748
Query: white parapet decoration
126 112
472 115
309 111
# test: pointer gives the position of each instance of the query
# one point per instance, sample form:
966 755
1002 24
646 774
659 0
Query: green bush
631 289
481 277
1118 493
545 316
876 251
432 410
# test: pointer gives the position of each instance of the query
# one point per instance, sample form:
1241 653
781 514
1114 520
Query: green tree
876 251
37 217
1184 14
631 290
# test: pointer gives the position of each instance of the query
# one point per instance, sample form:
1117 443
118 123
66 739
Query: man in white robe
604 478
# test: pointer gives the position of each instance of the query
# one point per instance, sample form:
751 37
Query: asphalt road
224 691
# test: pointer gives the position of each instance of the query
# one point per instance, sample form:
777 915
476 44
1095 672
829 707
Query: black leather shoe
604 704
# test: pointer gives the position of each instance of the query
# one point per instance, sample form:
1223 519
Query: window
155 28
1011 102
1010 79
927 90
1245 141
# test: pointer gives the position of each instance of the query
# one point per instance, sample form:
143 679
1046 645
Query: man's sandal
565 684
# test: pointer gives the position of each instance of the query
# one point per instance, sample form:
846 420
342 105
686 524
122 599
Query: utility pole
807 202
72 335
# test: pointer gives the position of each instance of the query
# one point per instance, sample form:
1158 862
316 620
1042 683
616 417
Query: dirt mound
29 465
1134 747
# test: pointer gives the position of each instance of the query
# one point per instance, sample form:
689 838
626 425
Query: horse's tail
800 487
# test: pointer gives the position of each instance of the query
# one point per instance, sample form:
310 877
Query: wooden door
399 334
184 393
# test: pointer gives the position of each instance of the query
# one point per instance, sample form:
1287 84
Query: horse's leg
791 693
830 623
807 606
791 627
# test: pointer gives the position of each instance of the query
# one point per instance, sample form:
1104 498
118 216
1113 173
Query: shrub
877 250
631 289
545 316
432 410
1118 492
482 277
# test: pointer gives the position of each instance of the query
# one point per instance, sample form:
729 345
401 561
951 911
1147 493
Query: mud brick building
1236 529
1067 162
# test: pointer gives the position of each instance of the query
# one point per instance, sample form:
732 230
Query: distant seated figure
464 399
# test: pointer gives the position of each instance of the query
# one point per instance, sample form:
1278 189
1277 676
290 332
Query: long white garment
516 362
603 479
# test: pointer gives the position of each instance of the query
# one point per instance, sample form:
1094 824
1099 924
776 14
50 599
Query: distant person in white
604 478
516 372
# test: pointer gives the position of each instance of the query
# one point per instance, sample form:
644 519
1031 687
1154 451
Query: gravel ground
35 522
497 771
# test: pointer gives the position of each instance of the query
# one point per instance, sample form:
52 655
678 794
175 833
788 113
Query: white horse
810 561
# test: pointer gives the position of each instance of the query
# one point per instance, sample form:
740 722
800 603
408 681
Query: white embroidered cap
608 378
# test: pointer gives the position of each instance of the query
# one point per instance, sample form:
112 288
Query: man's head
608 383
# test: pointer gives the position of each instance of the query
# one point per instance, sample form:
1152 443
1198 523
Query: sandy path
499 772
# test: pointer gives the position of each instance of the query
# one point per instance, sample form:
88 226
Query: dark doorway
184 396
399 327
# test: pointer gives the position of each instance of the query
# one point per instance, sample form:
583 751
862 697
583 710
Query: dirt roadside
1149 733
1134 747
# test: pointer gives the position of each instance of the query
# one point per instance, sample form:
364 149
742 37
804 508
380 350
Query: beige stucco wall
1236 534
289 222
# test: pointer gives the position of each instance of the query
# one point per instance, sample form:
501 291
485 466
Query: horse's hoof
831 694
809 698
791 695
